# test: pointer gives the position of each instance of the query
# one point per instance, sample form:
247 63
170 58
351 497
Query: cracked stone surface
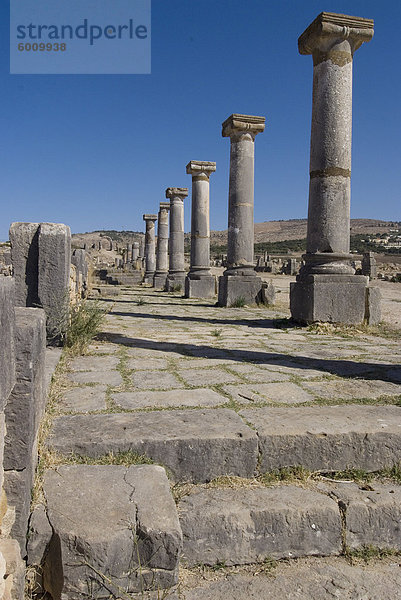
139 540
171 353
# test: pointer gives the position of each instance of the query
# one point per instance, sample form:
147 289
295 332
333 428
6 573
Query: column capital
329 29
243 124
176 192
164 205
150 217
200 168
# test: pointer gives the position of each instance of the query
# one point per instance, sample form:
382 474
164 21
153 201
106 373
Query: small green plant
369 552
216 332
176 288
140 301
239 302
86 318
296 473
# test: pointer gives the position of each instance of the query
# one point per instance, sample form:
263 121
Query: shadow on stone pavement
343 368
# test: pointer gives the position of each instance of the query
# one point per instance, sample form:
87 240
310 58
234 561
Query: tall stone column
176 271
129 253
199 282
159 281
239 279
326 288
150 247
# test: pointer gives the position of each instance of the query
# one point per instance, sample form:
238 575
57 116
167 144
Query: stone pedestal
330 298
326 287
160 277
235 290
176 273
200 283
240 280
150 248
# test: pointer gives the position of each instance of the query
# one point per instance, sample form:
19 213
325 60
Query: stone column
150 248
176 272
135 251
239 281
199 282
129 253
326 288
159 281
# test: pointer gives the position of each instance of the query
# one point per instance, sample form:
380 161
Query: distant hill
268 231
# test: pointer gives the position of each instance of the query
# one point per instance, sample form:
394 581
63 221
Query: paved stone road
160 351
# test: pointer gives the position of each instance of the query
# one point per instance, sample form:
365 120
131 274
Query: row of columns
327 288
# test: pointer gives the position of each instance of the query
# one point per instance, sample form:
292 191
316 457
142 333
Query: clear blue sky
97 151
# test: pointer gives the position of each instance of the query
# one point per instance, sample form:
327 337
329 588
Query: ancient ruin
199 282
150 248
239 279
327 288
176 271
160 278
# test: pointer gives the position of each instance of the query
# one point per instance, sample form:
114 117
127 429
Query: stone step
105 530
199 445
248 525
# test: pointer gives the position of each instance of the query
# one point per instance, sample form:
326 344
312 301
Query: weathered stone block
372 516
373 305
27 400
18 486
204 287
242 526
196 445
138 544
175 283
14 571
54 243
7 330
268 293
327 438
24 239
159 281
329 298
39 536
233 287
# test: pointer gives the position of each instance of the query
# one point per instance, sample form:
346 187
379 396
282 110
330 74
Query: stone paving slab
196 445
242 526
327 438
94 363
84 399
106 377
285 393
155 380
348 390
308 579
255 374
147 364
207 376
137 545
169 399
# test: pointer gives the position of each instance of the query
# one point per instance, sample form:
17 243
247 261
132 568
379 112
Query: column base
235 288
175 282
203 287
148 277
343 299
159 281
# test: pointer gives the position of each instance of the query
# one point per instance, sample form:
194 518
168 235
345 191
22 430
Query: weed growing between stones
140 301
286 474
238 302
351 331
216 332
86 318
369 552
176 288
